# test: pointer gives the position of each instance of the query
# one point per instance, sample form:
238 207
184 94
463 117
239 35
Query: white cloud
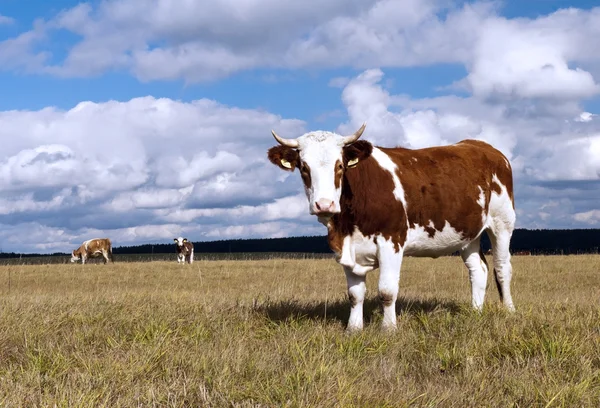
19 53
6 20
161 39
148 169
554 158
528 59
585 117
589 217
125 167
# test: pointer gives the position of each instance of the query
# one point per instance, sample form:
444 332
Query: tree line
537 242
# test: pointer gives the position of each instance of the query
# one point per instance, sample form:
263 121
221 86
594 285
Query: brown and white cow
185 250
93 248
380 204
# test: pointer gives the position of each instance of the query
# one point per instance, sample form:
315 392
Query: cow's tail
110 252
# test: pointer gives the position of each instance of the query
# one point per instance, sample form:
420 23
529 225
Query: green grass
271 333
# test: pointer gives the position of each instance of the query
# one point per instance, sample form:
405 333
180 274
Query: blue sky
422 73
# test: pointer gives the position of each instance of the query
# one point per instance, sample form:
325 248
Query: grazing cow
185 250
93 248
522 253
380 204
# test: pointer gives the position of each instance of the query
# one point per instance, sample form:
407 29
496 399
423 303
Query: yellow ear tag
286 164
352 163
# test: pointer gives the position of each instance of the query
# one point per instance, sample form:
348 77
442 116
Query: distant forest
537 242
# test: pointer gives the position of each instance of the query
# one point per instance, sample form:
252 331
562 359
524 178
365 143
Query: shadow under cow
339 310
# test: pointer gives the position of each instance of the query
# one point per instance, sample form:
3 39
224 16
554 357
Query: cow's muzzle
324 207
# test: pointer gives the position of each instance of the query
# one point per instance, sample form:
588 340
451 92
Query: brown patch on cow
276 153
430 231
443 184
352 299
386 298
367 201
339 173
305 174
335 239
185 249
495 187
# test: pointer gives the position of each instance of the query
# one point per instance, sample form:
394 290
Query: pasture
270 333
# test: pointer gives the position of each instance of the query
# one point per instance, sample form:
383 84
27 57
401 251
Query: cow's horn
286 142
353 138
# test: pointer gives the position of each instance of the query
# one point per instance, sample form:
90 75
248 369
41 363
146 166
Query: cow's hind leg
500 239
390 261
478 272
356 294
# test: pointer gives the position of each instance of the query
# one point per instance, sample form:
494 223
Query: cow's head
75 256
322 158
179 241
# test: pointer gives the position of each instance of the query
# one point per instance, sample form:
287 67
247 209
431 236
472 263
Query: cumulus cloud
148 169
161 39
530 59
126 167
555 156
591 217
6 20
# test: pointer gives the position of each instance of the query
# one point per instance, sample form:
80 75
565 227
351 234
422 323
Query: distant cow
380 204
522 253
185 250
93 248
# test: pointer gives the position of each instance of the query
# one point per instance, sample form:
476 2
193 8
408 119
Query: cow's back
451 184
97 244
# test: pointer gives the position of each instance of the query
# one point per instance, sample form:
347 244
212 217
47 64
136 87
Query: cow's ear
174 239
357 152
284 157
185 240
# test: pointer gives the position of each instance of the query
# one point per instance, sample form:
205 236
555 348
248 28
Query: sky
144 120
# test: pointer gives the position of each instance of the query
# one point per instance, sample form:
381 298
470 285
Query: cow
380 204
522 253
93 248
185 250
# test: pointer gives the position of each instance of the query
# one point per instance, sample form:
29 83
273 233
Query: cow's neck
367 202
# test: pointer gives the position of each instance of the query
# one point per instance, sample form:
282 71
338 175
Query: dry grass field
270 333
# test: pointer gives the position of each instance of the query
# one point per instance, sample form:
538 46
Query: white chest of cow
359 253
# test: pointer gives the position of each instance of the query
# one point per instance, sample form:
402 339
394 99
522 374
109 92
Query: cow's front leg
390 261
356 294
